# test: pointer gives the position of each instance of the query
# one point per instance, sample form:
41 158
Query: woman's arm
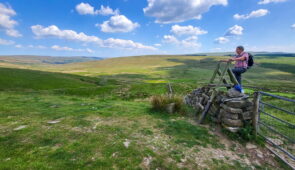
238 59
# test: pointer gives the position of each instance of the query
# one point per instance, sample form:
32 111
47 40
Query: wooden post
215 72
255 116
170 91
223 73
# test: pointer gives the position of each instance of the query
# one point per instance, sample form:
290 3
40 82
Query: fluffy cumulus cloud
221 40
118 23
270 1
172 11
191 33
125 44
6 42
87 9
187 30
253 14
293 26
59 48
190 42
6 22
53 31
235 30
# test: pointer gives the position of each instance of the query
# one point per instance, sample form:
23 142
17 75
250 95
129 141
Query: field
97 114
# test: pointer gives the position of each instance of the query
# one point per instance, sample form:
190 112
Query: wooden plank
215 72
207 107
232 77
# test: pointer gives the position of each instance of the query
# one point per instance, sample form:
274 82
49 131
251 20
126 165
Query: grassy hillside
275 73
39 62
97 115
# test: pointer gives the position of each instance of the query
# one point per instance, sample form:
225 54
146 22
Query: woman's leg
237 72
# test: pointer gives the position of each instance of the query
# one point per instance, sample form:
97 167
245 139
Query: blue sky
112 28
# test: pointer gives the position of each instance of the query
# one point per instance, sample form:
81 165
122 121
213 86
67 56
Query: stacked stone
198 98
236 110
232 109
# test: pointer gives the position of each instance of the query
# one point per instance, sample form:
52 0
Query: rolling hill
97 114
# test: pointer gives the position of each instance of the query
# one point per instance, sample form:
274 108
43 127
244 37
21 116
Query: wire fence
276 123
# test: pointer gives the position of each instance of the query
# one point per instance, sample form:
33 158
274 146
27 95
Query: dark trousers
238 73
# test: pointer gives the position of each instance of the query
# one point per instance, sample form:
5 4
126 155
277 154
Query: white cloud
6 42
190 42
37 46
221 40
170 39
54 31
231 32
13 33
187 30
18 46
235 30
118 23
125 44
65 48
172 11
6 23
87 9
293 26
158 45
107 11
270 1
253 14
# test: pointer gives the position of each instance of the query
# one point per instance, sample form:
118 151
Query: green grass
102 104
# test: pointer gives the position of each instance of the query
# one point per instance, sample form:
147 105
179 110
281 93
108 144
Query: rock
249 103
232 129
236 103
114 154
126 143
250 146
276 141
224 114
249 108
232 123
170 108
259 154
54 106
53 121
230 109
20 127
234 93
247 115
147 161
199 106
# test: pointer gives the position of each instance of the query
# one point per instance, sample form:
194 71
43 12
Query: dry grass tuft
166 103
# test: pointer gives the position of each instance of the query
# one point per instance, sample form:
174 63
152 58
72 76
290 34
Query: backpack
250 60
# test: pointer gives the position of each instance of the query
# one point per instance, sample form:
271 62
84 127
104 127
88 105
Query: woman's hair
240 47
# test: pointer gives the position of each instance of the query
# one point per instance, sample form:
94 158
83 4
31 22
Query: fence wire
277 123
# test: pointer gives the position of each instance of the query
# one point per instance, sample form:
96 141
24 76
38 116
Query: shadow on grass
282 67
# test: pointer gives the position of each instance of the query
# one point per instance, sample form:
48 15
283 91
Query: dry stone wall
231 109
